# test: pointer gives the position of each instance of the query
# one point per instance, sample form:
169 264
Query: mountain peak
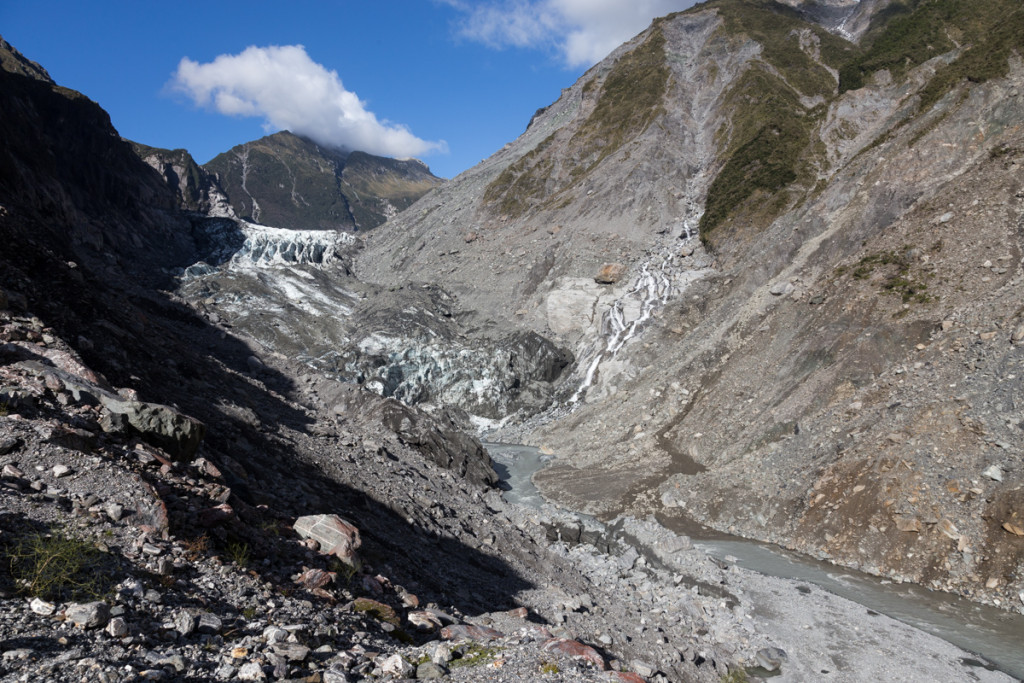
13 61
291 181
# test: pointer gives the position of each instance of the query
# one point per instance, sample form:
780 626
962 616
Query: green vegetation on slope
770 132
777 29
630 99
907 34
988 55
515 190
768 143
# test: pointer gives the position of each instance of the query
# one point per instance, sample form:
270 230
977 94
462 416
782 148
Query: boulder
396 666
159 425
89 614
428 671
771 658
335 536
573 648
610 273
571 308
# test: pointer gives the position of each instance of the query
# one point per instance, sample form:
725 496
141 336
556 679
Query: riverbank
824 636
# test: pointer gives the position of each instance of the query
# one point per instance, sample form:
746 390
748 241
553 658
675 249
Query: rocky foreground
329 545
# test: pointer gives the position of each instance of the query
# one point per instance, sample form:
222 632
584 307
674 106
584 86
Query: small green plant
474 655
735 676
249 613
55 565
346 572
377 610
549 668
5 409
270 528
238 552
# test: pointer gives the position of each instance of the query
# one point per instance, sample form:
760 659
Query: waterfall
660 278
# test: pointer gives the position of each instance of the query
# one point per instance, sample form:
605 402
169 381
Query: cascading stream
657 282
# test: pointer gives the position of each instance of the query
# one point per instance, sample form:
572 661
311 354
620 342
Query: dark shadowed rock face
196 190
439 437
64 168
289 181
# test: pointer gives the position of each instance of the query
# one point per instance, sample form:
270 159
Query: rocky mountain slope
810 332
747 270
287 181
170 505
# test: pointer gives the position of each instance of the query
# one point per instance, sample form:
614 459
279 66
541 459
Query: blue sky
447 81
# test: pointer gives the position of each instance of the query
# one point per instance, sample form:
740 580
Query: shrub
55 565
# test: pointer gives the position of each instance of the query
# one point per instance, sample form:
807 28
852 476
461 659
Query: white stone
251 671
396 666
571 308
117 627
994 473
42 607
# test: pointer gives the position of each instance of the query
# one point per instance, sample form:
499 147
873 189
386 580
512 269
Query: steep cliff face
831 364
195 189
287 181
65 171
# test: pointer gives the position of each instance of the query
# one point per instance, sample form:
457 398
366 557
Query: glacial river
995 635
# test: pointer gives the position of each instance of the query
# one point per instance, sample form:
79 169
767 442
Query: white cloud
291 91
583 31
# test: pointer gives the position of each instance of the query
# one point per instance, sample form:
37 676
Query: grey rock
12 471
251 671
226 671
336 674
275 634
642 668
335 536
429 670
159 425
16 654
114 511
209 623
771 658
442 654
8 444
89 614
175 661
117 628
395 665
994 473
293 652
42 607
185 623
628 559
